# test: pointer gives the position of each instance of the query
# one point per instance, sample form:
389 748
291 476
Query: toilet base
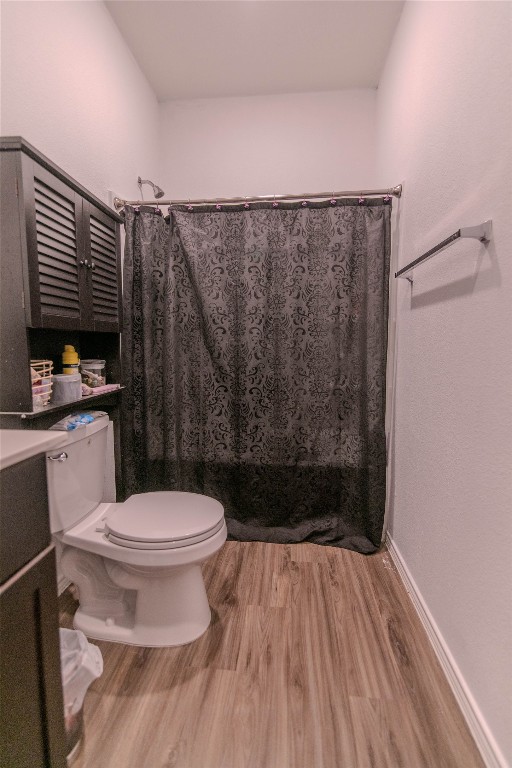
137 605
99 629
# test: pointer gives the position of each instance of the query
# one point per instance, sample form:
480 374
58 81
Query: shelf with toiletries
47 345
86 402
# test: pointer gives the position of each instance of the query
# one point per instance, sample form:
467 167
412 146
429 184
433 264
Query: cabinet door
32 731
54 230
73 256
102 258
25 518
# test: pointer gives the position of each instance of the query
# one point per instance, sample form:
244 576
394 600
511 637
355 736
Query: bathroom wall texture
71 87
259 145
445 127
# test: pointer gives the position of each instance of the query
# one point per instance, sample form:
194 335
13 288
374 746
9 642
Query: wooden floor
315 658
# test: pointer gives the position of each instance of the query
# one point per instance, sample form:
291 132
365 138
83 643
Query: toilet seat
164 520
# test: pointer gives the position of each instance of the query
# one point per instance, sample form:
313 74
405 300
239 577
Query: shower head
157 191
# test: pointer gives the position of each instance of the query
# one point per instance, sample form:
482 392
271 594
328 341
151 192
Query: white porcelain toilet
137 565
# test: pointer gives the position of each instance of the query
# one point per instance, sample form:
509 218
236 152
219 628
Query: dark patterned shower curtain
254 355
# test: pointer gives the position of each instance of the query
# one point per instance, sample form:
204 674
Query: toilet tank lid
165 516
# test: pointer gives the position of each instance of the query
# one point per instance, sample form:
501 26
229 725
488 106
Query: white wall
71 87
445 128
258 145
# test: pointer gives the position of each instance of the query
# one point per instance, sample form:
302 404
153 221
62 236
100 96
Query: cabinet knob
92 265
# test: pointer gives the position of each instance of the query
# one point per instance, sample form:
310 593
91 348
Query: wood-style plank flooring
315 658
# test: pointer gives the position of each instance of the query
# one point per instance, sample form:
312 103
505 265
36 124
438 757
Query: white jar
67 388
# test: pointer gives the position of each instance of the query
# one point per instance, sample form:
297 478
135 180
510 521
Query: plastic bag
77 420
81 663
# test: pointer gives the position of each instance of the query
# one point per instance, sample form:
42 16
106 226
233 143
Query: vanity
32 733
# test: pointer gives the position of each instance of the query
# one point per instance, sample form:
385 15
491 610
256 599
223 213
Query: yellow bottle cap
70 356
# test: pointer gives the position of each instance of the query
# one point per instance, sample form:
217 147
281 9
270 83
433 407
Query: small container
93 372
70 361
67 388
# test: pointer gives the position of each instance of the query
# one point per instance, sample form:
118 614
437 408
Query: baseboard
491 754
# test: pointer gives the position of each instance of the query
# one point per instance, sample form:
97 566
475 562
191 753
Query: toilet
137 565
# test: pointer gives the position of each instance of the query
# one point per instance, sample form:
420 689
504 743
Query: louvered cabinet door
54 229
103 267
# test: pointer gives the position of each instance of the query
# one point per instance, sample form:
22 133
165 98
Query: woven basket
41 375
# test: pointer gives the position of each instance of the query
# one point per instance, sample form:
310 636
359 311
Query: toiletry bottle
70 361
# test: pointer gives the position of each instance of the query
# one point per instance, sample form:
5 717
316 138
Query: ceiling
210 48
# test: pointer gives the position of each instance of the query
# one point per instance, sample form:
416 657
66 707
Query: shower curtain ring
189 206
246 204
332 200
275 204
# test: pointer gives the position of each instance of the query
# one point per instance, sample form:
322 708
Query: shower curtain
254 352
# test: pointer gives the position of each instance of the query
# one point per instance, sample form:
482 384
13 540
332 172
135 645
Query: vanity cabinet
32 733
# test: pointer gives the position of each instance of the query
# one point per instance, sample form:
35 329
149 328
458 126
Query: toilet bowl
137 565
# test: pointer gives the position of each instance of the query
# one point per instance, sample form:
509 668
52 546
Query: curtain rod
394 191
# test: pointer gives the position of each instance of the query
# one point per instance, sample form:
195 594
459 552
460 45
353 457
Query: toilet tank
75 474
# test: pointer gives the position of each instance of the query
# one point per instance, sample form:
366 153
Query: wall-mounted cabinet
69 246
60 278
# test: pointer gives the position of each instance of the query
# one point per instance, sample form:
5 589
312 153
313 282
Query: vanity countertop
19 444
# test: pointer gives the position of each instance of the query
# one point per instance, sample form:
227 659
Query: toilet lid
164 520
